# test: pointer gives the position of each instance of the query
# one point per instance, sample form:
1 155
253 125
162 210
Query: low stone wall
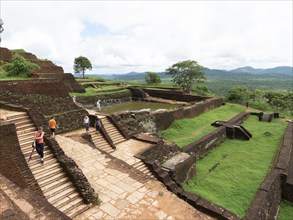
12 161
174 95
162 120
92 100
202 146
205 144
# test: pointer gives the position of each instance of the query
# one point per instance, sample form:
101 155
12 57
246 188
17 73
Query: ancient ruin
122 171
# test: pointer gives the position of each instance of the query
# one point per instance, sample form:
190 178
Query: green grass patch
286 211
241 166
186 131
95 92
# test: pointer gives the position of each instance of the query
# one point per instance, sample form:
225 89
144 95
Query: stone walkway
124 195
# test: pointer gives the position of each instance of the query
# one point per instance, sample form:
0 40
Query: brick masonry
12 161
24 174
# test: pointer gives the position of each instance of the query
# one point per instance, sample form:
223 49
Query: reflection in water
137 106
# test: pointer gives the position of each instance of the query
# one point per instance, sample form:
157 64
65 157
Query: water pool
137 106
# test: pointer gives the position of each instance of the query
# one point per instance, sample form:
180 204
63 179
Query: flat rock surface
124 195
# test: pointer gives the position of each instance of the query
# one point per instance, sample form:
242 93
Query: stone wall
162 120
12 162
44 97
205 144
92 100
67 78
174 95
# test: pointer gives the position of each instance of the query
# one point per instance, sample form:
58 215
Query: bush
19 66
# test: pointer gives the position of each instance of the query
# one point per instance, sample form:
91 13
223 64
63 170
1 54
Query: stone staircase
112 131
100 142
54 183
140 165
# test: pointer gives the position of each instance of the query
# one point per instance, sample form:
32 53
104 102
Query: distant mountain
277 70
242 72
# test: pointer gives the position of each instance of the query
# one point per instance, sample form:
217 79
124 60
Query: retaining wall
69 166
47 98
175 95
12 162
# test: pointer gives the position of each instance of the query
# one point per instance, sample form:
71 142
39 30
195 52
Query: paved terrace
124 194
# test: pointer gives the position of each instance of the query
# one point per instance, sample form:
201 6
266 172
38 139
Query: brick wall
12 162
174 95
46 98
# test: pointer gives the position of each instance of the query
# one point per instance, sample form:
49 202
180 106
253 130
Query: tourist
86 123
74 99
39 139
53 126
98 105
97 124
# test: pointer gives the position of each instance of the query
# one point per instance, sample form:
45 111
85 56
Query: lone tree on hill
152 78
81 64
186 73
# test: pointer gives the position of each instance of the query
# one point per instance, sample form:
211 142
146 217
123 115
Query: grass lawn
186 131
242 166
286 211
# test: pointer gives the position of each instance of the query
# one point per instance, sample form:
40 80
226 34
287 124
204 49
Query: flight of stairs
100 142
56 186
112 131
140 165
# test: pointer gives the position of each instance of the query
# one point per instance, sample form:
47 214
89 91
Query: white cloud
124 36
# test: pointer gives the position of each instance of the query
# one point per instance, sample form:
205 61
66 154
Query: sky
124 36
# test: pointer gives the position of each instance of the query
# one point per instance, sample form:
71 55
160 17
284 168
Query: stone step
115 135
23 122
45 168
66 200
61 195
16 115
25 139
47 175
26 152
55 184
38 164
59 189
25 126
25 131
70 206
78 210
35 161
21 136
55 178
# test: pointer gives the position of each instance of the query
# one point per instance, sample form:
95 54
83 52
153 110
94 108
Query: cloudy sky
123 36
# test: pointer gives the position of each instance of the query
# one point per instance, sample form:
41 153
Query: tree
238 94
186 73
152 78
81 64
20 66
